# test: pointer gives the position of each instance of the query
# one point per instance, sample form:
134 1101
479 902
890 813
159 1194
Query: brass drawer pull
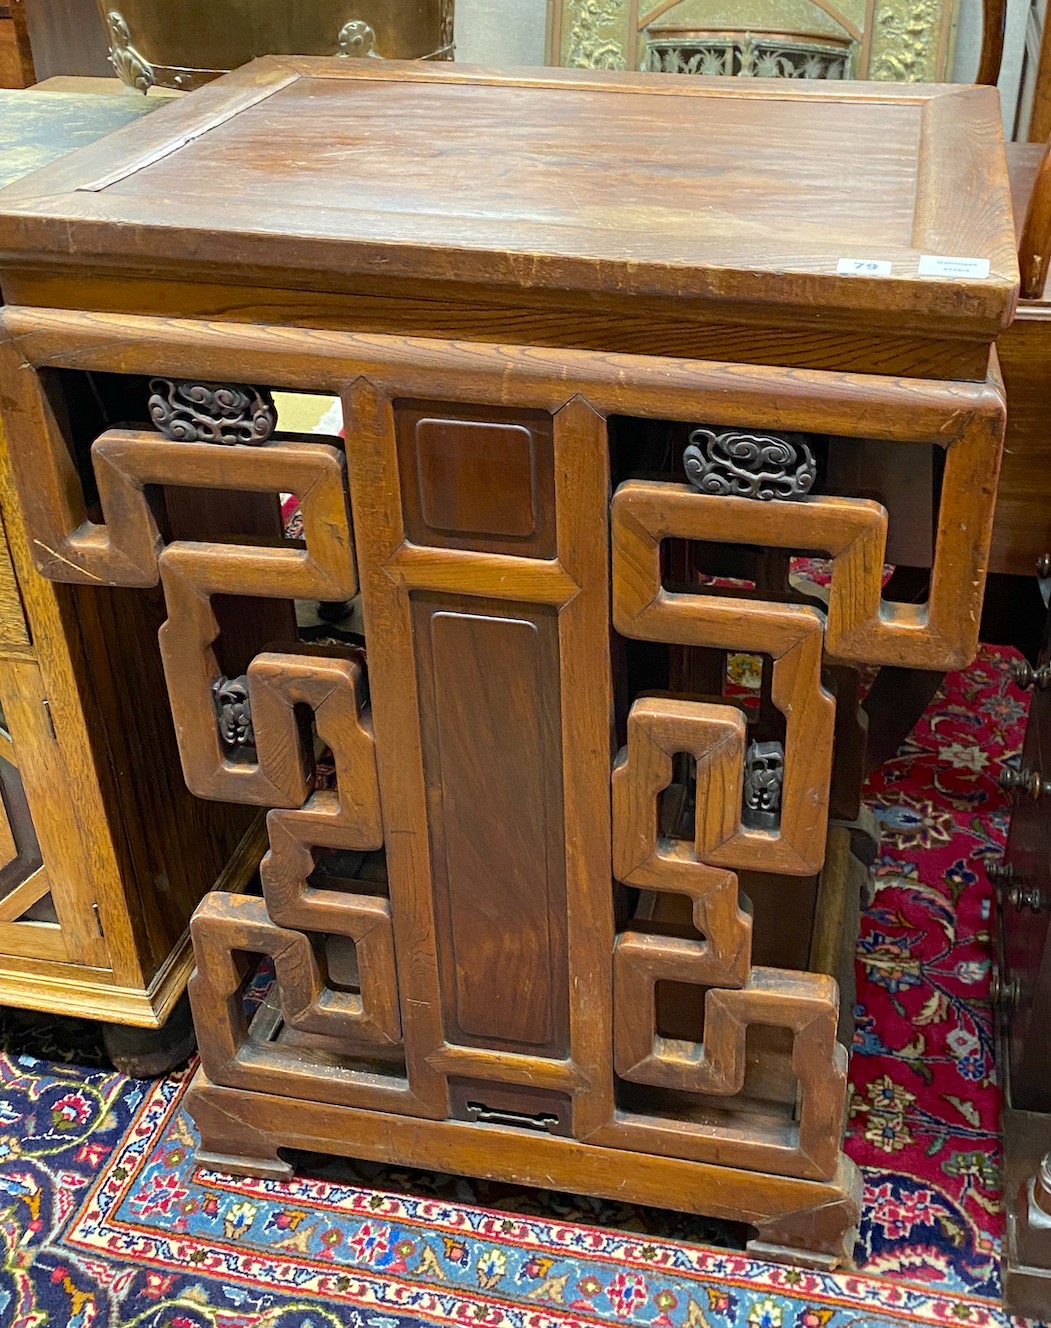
1025 676
1022 897
1023 781
1004 994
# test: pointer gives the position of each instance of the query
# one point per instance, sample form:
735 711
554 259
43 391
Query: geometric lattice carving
714 1065
125 551
228 928
347 816
791 634
715 736
128 550
308 1005
719 959
852 532
356 1023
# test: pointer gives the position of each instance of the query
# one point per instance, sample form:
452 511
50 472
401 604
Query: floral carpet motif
103 1221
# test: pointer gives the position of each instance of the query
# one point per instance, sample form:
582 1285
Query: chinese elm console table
612 352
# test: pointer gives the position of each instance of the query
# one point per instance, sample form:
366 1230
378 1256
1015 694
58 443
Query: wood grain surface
619 184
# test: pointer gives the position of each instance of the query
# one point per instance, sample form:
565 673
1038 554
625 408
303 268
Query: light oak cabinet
103 854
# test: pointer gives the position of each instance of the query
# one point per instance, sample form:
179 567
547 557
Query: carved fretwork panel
317 1019
322 1044
898 40
859 625
486 925
717 959
354 1017
743 54
356 1024
790 633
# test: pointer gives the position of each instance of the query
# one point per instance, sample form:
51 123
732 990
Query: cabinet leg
241 1164
894 705
820 1237
147 1053
231 1144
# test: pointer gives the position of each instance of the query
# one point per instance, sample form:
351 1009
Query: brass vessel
184 43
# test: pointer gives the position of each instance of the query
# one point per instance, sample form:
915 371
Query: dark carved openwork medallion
749 465
764 774
233 712
189 412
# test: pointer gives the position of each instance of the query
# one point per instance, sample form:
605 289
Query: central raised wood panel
494 452
489 692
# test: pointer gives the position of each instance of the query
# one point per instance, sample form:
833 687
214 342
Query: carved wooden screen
895 40
484 977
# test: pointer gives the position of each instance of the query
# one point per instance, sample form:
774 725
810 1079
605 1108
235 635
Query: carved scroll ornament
190 412
749 465
130 66
764 775
233 711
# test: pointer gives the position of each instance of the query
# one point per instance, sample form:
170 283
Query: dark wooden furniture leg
894 704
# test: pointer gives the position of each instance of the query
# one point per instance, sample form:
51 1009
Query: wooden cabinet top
739 195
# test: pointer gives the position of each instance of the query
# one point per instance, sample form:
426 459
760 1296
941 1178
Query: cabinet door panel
45 879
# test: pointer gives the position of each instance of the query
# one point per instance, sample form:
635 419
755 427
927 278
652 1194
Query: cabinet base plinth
805 1222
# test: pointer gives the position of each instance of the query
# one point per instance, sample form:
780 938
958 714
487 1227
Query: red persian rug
104 1222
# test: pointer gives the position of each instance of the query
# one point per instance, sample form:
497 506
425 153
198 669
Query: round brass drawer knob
1025 676
1004 993
1023 780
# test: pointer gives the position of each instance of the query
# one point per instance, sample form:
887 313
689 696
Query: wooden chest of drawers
595 338
1022 994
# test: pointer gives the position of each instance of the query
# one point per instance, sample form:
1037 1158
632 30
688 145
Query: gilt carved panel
893 40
